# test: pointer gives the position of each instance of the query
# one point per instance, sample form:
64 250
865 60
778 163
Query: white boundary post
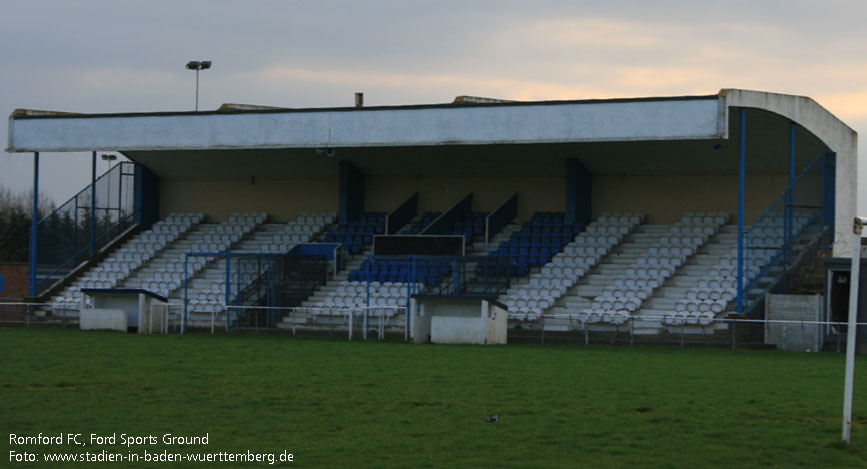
854 280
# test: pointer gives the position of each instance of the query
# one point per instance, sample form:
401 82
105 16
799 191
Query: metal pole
92 205
854 280
741 182
75 225
268 289
197 90
186 291
790 202
33 230
228 272
107 199
119 194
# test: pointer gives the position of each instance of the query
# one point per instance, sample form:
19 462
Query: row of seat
305 227
658 263
119 264
241 218
416 227
567 267
598 316
192 218
395 289
428 272
716 290
716 306
357 294
321 219
473 224
704 218
690 318
355 234
236 226
548 219
359 301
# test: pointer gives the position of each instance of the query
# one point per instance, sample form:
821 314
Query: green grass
335 403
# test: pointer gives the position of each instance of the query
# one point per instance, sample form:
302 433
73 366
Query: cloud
307 54
847 106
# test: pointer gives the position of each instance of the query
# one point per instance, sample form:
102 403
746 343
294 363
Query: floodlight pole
854 280
197 90
198 65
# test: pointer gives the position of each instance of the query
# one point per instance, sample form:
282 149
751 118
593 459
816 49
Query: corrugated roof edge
22 114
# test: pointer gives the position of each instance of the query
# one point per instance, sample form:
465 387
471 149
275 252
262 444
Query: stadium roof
686 134
442 124
176 143
639 135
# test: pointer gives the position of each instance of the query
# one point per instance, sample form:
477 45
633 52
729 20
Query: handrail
63 257
789 238
776 257
87 187
786 191
82 250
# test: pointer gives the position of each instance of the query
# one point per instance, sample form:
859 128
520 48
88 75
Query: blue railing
768 242
261 279
77 230
484 276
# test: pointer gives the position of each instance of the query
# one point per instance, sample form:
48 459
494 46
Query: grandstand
650 214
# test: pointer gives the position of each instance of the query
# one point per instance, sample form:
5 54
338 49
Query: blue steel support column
119 194
92 205
75 224
790 197
268 291
228 287
33 230
741 182
186 287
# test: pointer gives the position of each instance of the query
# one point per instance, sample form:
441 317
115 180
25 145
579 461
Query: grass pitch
335 403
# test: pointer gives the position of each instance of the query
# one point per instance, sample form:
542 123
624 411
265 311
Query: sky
129 56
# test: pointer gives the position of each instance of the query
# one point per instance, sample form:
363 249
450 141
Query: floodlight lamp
206 64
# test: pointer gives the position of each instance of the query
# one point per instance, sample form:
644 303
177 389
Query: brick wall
14 280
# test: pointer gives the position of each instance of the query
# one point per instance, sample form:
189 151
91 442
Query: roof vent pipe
359 99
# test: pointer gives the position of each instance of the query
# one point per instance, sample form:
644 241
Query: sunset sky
129 56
